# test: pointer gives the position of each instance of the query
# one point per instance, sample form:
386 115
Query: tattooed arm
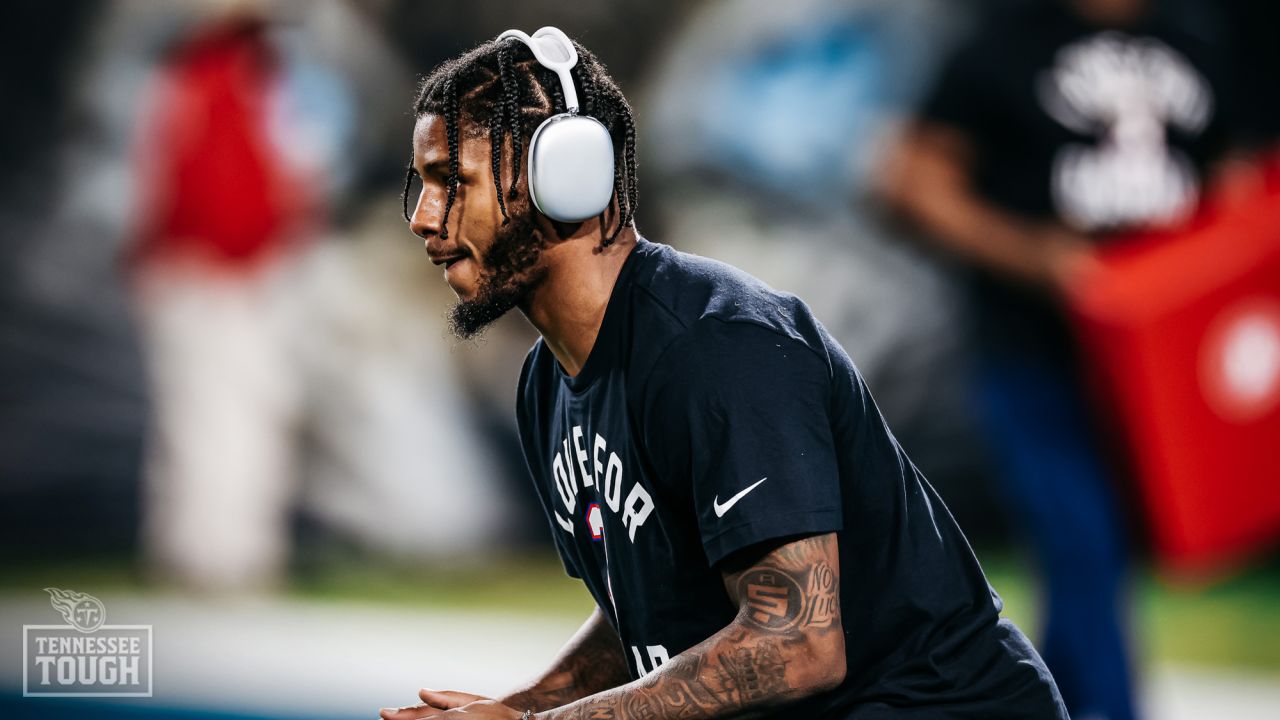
592 661
786 643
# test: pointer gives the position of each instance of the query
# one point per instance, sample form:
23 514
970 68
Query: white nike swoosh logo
722 509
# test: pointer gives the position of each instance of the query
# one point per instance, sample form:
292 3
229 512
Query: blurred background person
223 211
1051 128
295 387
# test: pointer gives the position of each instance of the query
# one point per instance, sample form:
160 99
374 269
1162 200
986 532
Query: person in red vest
217 229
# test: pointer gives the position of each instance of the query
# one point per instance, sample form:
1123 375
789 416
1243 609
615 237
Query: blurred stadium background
404 551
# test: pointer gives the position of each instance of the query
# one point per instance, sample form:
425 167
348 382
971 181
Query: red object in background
214 185
1183 332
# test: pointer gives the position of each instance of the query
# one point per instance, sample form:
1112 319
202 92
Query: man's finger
409 713
447 699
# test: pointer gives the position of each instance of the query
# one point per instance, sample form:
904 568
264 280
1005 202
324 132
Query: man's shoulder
685 292
694 308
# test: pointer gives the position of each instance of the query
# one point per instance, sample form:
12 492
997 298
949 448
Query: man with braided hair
710 462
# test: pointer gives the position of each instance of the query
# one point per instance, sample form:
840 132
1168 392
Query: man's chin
463 294
463 278
468 318
510 275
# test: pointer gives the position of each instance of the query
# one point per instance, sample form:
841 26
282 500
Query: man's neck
569 305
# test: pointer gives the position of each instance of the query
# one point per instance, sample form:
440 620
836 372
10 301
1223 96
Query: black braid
588 91
495 153
618 171
451 129
557 93
619 192
624 172
511 106
629 156
408 184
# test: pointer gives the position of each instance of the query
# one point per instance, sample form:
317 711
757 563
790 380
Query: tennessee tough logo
82 611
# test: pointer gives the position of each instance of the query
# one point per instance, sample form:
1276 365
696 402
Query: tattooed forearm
785 644
552 691
750 674
591 662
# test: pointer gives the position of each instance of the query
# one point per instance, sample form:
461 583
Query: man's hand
1070 261
434 703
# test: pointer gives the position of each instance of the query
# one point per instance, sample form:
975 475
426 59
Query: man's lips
447 259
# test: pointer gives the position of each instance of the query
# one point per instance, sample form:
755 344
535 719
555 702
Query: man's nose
425 221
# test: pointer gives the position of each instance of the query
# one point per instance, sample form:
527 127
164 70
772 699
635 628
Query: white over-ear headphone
570 155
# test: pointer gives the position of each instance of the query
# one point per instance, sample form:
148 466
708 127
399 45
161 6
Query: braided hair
501 89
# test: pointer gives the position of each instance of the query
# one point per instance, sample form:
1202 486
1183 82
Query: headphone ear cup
571 164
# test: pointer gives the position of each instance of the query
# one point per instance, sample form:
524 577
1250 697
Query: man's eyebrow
440 166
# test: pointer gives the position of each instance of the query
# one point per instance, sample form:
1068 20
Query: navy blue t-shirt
714 414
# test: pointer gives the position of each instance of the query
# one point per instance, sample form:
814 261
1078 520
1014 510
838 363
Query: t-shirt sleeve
739 414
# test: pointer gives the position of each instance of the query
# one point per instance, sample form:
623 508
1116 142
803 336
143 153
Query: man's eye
435 173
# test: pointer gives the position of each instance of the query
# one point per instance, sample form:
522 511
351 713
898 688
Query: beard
508 277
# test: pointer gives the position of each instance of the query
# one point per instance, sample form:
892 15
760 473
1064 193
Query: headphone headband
555 51
571 156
